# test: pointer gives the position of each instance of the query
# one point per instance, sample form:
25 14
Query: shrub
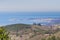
3 34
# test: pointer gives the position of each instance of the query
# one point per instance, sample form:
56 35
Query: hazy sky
30 5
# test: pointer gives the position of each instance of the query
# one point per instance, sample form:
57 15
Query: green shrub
3 34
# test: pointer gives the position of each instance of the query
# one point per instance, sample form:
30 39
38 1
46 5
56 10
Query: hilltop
14 27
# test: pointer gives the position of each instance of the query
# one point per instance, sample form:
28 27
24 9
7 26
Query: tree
39 24
3 34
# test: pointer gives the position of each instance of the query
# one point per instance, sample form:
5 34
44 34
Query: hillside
31 32
33 28
15 27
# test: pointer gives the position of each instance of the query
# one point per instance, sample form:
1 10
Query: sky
29 5
28 11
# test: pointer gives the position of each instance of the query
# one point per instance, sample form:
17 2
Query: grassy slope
15 27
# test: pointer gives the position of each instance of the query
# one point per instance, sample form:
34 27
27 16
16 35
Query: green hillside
15 27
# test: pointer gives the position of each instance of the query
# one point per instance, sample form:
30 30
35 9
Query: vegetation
52 37
3 34
36 31
16 27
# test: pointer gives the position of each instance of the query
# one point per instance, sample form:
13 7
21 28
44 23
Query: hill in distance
14 27
32 28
